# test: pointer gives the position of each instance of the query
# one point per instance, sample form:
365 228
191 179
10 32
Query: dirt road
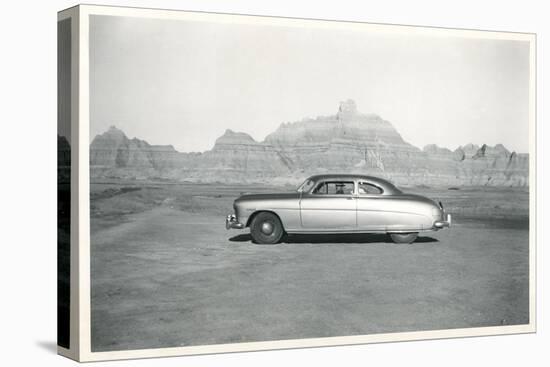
165 278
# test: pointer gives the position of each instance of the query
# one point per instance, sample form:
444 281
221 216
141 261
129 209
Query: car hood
257 197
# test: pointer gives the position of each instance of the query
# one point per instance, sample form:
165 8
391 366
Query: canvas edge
309 343
81 274
533 186
74 342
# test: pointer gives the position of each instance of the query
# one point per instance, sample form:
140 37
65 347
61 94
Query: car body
338 203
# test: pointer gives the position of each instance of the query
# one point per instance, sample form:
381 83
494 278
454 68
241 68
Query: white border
81 274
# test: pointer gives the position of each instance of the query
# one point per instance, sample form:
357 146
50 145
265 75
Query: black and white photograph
262 179
275 183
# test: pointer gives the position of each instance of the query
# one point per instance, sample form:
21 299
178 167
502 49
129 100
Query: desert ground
166 273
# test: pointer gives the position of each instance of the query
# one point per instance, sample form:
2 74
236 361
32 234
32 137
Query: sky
184 82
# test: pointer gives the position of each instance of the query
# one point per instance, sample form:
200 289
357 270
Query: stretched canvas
183 138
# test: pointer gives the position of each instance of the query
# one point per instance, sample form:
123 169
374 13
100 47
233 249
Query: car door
372 213
330 206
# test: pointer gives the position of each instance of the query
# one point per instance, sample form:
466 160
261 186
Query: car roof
387 186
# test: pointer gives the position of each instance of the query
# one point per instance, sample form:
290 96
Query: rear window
369 189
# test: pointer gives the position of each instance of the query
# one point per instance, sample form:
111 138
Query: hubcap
267 228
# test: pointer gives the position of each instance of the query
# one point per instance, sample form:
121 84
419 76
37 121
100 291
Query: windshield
306 186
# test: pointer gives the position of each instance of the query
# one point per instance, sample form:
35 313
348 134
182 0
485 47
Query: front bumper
440 224
231 222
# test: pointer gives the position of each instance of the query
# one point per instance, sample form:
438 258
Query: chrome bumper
231 222
439 224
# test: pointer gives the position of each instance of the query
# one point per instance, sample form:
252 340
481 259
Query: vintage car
338 204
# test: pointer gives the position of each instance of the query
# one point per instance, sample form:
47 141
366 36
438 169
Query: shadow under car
335 238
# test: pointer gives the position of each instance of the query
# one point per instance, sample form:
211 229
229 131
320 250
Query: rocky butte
348 141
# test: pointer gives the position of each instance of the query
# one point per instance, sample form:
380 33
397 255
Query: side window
334 188
369 189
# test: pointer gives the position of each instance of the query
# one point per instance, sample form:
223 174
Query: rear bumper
440 224
231 222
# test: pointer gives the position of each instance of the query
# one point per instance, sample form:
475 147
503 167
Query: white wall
28 181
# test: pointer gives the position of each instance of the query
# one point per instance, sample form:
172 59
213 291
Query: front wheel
266 228
403 237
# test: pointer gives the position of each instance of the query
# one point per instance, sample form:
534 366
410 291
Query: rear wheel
403 237
266 228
